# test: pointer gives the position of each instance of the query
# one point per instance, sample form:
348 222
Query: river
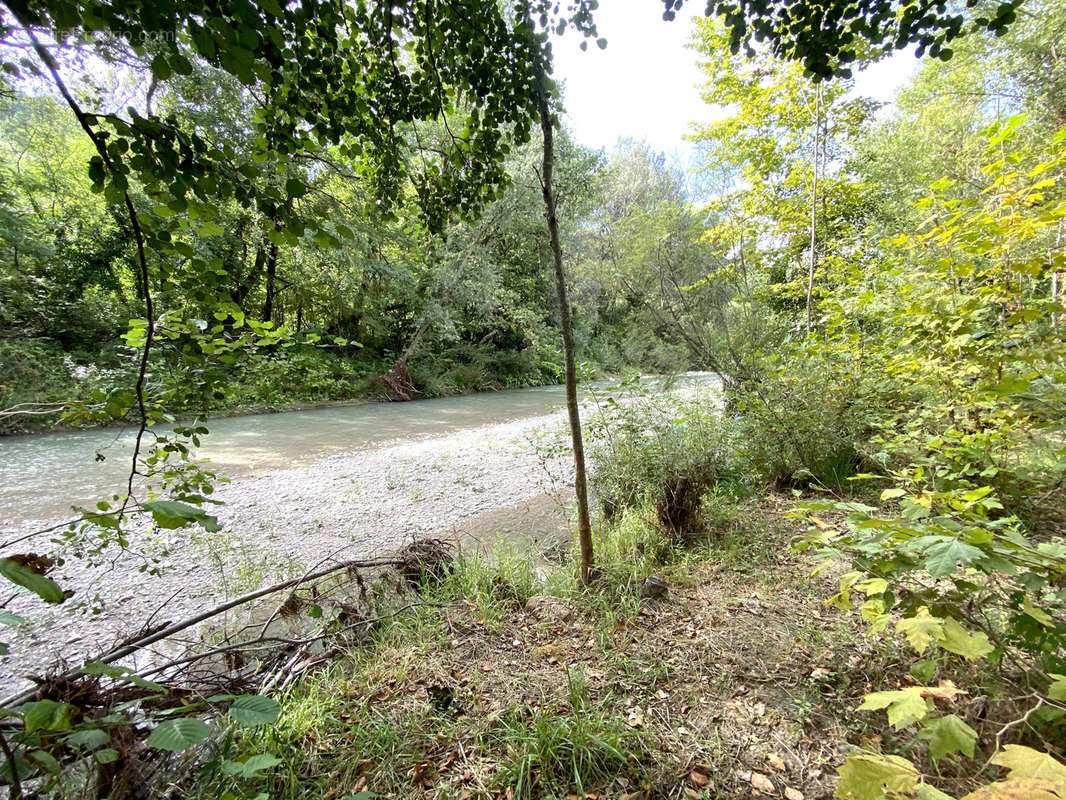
308 487
43 475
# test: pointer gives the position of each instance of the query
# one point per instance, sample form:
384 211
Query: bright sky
643 86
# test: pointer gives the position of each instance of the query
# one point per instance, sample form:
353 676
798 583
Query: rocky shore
277 525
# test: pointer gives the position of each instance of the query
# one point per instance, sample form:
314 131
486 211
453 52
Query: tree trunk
397 384
1056 281
584 531
814 209
271 274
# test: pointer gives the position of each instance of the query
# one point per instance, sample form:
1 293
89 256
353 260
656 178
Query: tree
783 145
357 78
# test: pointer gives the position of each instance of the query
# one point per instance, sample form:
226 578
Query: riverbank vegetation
844 577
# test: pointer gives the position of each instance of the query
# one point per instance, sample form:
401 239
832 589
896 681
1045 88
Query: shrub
664 453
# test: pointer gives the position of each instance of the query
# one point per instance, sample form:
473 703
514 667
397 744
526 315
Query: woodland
843 577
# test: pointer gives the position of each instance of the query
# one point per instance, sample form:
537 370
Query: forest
793 524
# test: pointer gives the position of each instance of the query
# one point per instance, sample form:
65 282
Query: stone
545 607
653 587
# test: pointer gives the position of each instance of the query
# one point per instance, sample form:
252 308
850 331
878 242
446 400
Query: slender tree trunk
1056 281
271 274
814 209
584 531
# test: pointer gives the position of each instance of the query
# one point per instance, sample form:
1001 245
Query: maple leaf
958 640
1024 762
904 706
921 630
948 735
870 776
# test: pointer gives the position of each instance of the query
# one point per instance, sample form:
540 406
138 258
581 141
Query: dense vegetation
480 288
879 290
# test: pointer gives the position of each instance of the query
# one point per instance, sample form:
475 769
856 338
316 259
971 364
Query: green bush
663 453
295 375
803 426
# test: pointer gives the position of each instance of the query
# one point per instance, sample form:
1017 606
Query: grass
683 696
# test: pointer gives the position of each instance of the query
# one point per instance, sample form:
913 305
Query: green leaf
47 715
948 735
295 187
47 761
172 514
1038 614
88 739
904 706
7 618
958 640
254 709
119 673
943 558
41 586
252 766
921 630
161 68
178 734
870 776
106 756
209 229
1057 689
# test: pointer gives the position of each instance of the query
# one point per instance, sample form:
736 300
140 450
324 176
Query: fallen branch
170 630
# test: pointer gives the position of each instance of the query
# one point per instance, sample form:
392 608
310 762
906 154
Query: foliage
54 739
798 31
945 561
662 452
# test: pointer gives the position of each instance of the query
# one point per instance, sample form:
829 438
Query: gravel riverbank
276 525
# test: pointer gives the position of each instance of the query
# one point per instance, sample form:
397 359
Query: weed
551 752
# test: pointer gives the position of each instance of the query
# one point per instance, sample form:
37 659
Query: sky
644 84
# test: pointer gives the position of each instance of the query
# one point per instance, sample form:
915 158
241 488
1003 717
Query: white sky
643 86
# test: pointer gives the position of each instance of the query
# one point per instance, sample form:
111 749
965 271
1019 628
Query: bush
663 453
803 426
298 374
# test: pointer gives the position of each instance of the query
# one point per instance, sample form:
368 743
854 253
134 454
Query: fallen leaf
700 775
945 691
776 762
1016 789
635 718
762 783
793 794
485 668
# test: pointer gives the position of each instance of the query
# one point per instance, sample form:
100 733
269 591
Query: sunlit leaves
1024 762
869 776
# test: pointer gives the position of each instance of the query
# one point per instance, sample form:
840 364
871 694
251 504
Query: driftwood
253 655
396 385
142 642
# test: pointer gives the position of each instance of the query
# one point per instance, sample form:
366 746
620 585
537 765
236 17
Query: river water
43 475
